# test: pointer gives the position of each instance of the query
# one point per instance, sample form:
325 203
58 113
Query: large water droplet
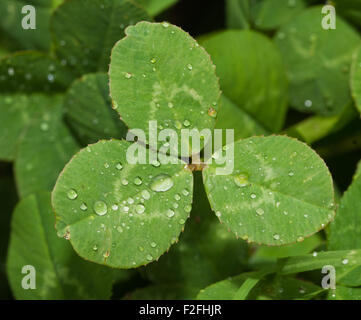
138 181
170 213
100 208
185 192
72 194
241 180
140 208
146 194
162 183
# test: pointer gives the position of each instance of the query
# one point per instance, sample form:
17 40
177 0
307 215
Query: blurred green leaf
11 17
60 273
251 75
84 32
89 112
28 82
345 232
44 148
317 62
155 7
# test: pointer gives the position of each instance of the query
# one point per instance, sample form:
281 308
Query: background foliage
279 73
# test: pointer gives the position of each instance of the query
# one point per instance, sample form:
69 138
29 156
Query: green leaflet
280 191
112 211
317 62
213 256
251 74
60 273
27 82
45 135
11 18
155 7
84 32
345 231
158 72
356 79
89 112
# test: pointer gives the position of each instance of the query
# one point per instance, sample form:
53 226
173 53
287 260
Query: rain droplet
100 208
186 123
345 261
140 208
72 194
308 103
276 236
165 24
156 163
138 181
190 67
125 182
170 213
127 75
153 244
153 61
162 183
115 207
146 194
188 208
241 180
181 221
119 166
185 192
260 211
291 174
177 197
149 257
253 196
83 207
